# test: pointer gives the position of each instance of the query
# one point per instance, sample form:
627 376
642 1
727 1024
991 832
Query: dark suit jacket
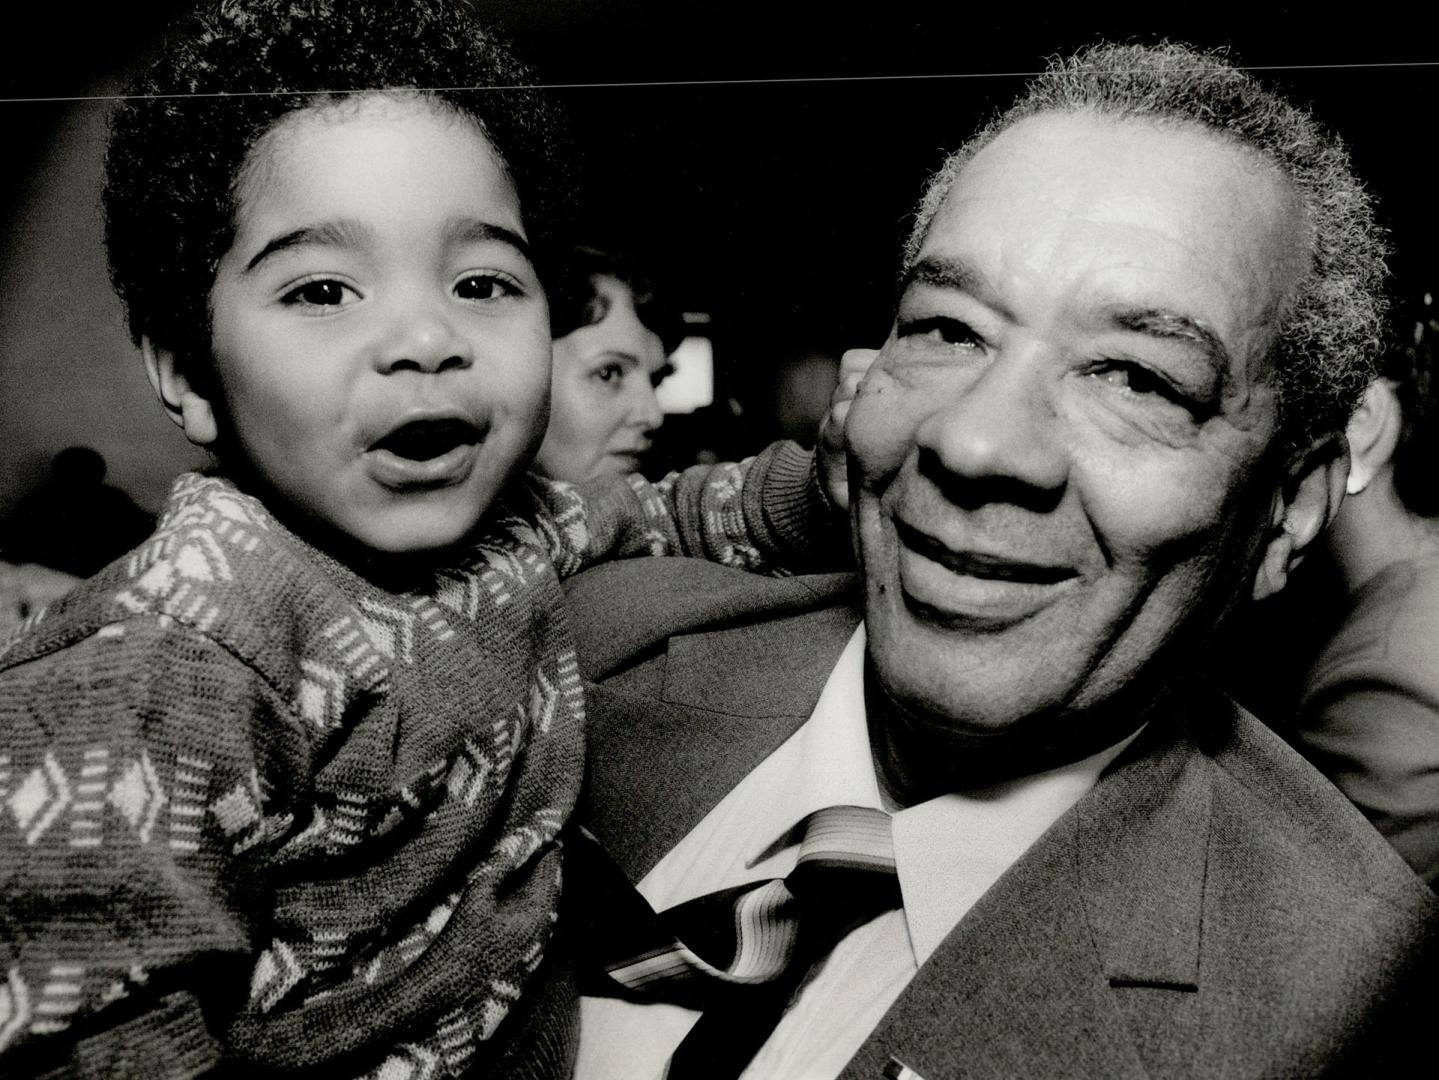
1213 907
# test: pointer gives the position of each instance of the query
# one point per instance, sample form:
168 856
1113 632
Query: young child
279 790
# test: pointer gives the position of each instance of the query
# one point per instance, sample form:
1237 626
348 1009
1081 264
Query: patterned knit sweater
257 810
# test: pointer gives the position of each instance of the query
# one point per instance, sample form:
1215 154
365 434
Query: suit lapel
1082 948
672 735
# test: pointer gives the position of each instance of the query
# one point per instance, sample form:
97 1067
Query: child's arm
783 510
768 513
129 790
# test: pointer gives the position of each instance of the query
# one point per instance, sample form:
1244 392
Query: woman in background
1368 714
612 339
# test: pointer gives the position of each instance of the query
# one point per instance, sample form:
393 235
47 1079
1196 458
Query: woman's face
603 381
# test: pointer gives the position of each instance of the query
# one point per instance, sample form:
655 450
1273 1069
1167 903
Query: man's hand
830 452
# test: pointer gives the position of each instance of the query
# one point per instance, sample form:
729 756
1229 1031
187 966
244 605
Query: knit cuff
170 1042
796 511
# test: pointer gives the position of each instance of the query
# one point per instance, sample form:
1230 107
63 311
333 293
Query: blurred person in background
1368 710
613 336
74 522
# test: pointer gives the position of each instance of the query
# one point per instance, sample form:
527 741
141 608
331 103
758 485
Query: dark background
763 157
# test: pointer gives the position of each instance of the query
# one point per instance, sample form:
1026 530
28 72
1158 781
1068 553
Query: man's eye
485 287
939 330
321 292
1140 380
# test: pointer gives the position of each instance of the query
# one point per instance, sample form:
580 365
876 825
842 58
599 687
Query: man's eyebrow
468 230
1156 322
942 273
338 233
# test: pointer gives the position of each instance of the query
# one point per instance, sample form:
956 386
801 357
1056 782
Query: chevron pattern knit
241 784
738 954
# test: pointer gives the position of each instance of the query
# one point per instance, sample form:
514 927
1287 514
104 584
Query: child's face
381 341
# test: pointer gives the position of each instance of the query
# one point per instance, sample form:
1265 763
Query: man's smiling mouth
981 565
974 590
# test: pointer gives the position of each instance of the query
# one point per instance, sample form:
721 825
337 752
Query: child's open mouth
422 440
425 453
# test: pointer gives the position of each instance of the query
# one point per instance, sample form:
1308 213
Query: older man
1134 313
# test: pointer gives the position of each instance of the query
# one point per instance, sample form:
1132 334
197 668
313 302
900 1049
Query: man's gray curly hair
1330 336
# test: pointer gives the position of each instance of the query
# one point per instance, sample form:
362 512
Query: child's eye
320 292
487 286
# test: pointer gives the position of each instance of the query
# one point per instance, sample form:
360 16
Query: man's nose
1000 430
420 335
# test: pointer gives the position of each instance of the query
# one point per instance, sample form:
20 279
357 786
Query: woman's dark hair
226 74
575 301
1411 366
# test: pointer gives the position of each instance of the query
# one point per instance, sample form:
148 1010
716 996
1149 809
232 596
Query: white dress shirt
948 852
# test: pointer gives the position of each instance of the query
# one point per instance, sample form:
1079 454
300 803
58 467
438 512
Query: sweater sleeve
768 514
132 818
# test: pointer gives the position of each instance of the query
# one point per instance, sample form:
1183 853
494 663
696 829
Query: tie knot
849 836
738 954
845 874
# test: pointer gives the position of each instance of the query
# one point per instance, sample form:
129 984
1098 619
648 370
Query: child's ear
1308 499
183 402
1373 432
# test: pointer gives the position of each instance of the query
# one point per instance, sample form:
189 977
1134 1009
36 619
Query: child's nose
423 339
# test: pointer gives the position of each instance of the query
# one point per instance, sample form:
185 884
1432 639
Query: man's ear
1373 432
1307 501
183 402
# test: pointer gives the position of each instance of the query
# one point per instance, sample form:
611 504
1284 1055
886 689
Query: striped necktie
739 954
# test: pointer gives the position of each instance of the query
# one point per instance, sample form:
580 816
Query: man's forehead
1127 216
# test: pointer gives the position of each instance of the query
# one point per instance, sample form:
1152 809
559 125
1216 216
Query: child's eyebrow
468 230
325 233
342 233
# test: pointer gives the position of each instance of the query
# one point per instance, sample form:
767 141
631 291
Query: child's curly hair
180 138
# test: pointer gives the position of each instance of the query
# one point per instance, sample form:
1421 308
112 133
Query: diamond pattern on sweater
137 794
320 696
391 630
40 798
236 810
472 768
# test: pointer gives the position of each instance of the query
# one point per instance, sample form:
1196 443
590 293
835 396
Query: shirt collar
827 761
948 850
